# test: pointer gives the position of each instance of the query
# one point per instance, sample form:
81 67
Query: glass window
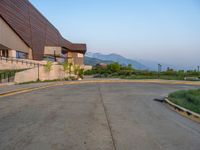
49 58
21 55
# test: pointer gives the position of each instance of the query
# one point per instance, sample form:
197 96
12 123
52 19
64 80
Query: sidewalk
8 88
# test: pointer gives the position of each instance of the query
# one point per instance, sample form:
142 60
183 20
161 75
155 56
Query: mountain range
93 61
94 58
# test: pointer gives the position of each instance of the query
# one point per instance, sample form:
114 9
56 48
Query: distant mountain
136 63
93 61
117 58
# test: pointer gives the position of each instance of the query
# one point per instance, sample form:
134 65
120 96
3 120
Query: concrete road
117 116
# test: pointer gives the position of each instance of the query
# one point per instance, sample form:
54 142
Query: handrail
7 75
22 61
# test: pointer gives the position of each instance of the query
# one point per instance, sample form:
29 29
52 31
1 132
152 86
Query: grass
164 77
46 81
39 81
188 99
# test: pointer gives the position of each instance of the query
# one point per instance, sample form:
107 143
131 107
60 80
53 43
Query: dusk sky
160 30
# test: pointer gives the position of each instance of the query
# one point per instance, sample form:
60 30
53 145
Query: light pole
55 56
38 71
159 70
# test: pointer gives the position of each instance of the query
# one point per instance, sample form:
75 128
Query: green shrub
188 99
65 67
48 66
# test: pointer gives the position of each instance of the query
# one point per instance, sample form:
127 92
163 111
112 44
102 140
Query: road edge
26 90
183 111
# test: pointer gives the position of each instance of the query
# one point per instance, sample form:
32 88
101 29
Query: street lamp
159 69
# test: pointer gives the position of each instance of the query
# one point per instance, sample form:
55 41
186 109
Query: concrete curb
25 90
6 84
183 111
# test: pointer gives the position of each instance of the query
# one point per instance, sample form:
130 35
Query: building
26 34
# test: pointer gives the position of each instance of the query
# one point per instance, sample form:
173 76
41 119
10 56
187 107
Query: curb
25 90
183 111
6 84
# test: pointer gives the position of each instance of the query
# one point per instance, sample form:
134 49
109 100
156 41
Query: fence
22 61
8 75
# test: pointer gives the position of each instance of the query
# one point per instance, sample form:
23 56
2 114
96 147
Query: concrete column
30 54
12 53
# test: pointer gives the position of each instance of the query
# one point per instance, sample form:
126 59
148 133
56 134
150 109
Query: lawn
164 77
188 99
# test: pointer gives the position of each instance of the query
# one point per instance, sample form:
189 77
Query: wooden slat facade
33 28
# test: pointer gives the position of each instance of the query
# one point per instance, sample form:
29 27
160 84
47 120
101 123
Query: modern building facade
25 33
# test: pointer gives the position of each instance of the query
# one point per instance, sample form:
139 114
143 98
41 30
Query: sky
165 31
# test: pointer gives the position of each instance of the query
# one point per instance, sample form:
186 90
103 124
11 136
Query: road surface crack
106 115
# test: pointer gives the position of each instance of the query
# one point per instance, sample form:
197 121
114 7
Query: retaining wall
33 75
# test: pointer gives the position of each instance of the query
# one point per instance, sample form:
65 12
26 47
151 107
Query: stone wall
32 74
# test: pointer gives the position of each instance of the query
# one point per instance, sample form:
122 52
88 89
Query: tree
70 68
115 67
130 67
65 68
76 69
48 67
81 73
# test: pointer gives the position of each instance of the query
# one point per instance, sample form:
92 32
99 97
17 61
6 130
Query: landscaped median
186 103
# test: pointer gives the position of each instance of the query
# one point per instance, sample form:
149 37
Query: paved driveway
117 116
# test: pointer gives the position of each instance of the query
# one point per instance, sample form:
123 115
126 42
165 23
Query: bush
125 72
81 73
115 67
188 99
90 72
48 66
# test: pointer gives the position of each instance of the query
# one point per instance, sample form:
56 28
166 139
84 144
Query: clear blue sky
161 30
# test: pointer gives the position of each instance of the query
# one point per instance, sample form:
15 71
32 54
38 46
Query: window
4 53
21 55
49 58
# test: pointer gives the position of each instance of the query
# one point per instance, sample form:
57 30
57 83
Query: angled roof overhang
34 29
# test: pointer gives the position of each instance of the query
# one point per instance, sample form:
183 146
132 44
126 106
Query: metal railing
8 75
22 61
